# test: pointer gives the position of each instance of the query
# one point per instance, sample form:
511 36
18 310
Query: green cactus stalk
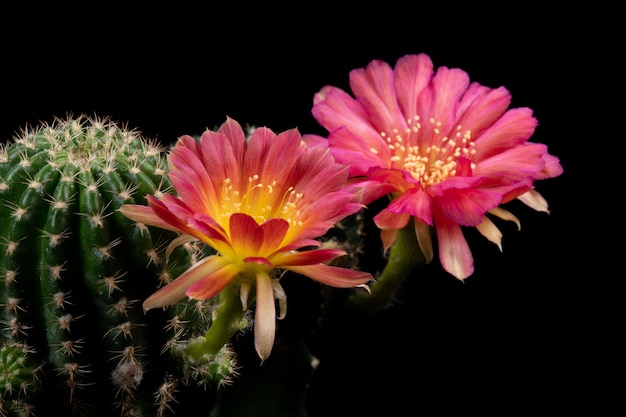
73 275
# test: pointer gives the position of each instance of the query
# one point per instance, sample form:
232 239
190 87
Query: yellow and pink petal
201 270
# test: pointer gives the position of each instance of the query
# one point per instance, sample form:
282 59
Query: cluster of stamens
260 202
433 163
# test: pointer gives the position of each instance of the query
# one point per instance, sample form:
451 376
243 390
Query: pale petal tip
365 287
263 349
146 307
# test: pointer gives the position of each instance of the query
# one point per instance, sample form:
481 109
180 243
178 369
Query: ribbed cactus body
74 272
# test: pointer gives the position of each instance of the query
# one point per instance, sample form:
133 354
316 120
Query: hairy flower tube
447 152
260 202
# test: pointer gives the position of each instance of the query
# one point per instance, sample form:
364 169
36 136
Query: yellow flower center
261 201
433 163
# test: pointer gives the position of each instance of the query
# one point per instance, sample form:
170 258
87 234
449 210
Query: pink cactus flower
446 151
258 202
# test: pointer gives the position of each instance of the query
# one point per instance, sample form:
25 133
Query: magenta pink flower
258 203
446 151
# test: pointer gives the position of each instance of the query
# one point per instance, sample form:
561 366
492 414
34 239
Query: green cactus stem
74 273
404 256
229 319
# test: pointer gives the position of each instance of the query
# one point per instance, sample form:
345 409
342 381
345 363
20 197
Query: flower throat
260 201
433 163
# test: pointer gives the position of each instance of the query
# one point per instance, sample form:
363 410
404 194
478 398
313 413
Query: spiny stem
73 269
404 256
228 320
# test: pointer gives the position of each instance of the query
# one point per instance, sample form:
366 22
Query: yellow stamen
434 162
260 201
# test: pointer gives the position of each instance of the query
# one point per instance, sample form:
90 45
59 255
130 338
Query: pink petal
388 220
371 191
208 227
176 289
424 239
237 138
440 101
334 108
308 257
199 196
480 107
397 178
170 206
411 74
389 224
551 169
187 141
190 178
259 260
465 206
167 209
274 231
373 87
259 145
513 165
332 275
356 150
474 93
297 244
222 152
209 286
264 316
320 215
415 202
454 252
315 141
286 147
511 191
325 180
245 233
388 238
222 155
162 210
512 129
145 215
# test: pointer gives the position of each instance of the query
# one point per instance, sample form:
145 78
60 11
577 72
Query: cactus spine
73 275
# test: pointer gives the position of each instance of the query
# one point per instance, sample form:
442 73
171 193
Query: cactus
74 272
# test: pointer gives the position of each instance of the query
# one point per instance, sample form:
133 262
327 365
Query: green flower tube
404 256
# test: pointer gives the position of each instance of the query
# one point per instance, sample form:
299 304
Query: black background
522 333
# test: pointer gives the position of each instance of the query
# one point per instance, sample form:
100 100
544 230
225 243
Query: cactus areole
74 340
